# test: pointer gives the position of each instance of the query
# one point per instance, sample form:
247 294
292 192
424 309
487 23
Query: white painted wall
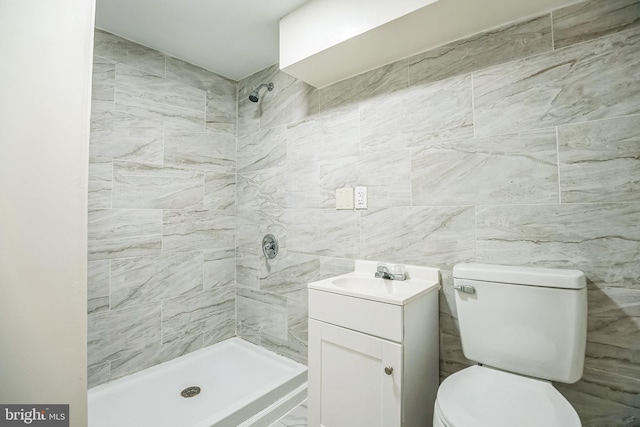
45 85
320 24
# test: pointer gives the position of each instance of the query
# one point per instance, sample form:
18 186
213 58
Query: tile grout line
475 229
558 163
161 322
553 39
113 172
411 178
204 112
204 189
110 266
109 361
473 107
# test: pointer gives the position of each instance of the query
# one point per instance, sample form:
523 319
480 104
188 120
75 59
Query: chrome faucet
384 273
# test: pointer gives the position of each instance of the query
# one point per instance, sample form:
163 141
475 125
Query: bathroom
517 146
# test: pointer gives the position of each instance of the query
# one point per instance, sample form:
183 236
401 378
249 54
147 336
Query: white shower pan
240 384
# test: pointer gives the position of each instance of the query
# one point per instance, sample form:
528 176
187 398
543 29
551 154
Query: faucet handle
382 271
398 272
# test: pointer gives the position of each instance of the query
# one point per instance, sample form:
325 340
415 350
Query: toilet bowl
481 396
525 327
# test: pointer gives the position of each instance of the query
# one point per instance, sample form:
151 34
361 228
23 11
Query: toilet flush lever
467 289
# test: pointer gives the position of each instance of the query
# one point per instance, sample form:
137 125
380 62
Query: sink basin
362 284
370 285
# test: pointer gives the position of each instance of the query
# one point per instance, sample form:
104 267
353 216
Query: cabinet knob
388 370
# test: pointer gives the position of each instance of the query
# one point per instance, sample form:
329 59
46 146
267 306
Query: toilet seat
481 396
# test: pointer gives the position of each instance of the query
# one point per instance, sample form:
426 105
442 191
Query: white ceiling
234 38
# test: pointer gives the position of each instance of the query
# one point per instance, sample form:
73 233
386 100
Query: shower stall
166 297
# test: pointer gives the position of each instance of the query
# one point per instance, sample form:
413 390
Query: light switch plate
344 198
361 198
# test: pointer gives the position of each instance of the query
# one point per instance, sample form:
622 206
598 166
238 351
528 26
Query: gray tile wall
161 208
517 146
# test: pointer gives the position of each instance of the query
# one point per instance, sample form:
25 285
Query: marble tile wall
519 146
162 209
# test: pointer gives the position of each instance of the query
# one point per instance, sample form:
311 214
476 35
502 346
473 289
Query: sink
373 347
362 284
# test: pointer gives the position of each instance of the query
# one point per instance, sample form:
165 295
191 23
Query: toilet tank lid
530 276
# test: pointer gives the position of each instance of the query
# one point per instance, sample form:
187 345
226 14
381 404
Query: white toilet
525 327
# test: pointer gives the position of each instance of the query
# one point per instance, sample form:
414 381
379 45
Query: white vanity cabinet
373 349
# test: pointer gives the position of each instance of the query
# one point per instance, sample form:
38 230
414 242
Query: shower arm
269 87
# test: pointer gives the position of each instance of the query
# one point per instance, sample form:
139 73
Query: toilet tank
531 321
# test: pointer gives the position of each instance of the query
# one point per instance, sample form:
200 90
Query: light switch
344 198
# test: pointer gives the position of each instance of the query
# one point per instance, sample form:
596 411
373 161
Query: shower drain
190 391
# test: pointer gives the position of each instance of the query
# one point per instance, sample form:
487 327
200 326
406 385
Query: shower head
255 95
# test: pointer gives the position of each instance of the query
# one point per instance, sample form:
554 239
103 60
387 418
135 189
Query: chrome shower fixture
255 96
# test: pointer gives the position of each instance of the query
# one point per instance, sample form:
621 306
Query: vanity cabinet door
348 383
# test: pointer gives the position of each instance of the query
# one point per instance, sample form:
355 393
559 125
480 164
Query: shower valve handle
270 246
